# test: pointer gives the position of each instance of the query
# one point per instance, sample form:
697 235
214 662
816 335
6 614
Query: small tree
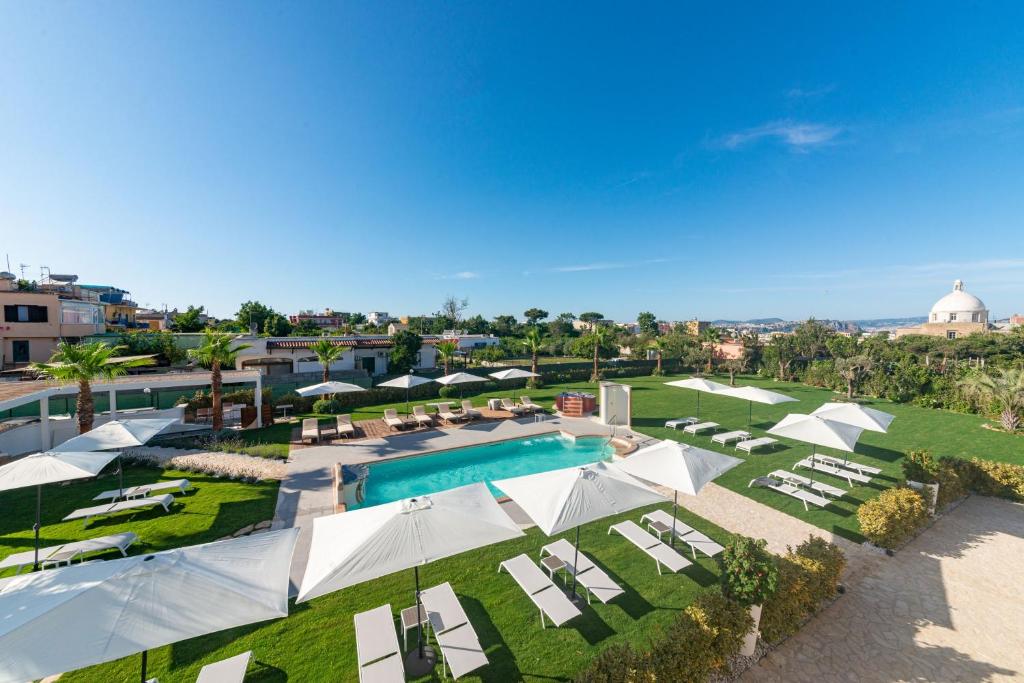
749 573
189 321
600 335
591 318
216 351
1005 391
534 315
735 366
403 354
854 370
648 323
533 340
710 337
327 352
446 350
83 363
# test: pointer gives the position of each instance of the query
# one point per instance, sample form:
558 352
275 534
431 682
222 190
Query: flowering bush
749 574
227 465
893 517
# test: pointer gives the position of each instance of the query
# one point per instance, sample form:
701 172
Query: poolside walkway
948 607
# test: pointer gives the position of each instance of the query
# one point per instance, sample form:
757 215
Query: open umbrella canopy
559 500
459 378
677 466
757 395
117 434
819 431
405 382
364 544
857 415
513 373
85 614
324 388
51 467
698 384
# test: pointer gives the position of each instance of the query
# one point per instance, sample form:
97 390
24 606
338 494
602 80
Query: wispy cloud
810 93
461 275
604 265
797 136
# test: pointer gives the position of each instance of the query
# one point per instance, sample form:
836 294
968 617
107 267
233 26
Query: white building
957 314
285 355
378 318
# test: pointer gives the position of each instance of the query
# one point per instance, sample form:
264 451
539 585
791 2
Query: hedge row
957 477
808 576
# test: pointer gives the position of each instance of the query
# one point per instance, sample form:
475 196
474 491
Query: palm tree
1005 391
326 352
447 350
533 340
83 363
659 345
710 337
216 351
599 336
853 370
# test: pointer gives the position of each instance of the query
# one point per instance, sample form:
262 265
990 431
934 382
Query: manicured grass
214 508
316 642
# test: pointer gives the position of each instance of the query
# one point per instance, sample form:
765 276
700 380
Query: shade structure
365 544
678 466
756 395
50 467
698 384
818 431
459 378
325 388
512 373
406 382
559 500
117 434
96 612
853 414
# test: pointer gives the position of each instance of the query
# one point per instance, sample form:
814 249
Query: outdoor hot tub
575 403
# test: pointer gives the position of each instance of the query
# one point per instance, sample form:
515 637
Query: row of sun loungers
804 482
57 554
312 430
692 425
790 489
849 465
827 468
165 500
139 491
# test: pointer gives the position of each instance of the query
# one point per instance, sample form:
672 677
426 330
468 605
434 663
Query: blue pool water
425 474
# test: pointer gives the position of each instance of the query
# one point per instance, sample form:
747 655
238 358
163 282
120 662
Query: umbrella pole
575 563
750 413
407 411
675 506
420 661
145 653
120 476
35 528
419 626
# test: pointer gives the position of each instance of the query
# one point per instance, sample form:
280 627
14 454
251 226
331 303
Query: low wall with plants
707 637
956 476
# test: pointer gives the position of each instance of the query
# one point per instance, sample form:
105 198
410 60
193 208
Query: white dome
959 306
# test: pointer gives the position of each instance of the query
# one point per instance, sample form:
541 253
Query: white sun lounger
510 406
166 500
849 464
345 426
593 579
818 466
469 411
144 490
538 587
659 552
461 652
728 437
681 422
311 429
392 420
419 413
751 444
781 486
444 411
804 482
230 670
528 403
380 660
684 532
699 427
65 553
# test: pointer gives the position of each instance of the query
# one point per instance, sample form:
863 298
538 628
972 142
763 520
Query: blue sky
734 162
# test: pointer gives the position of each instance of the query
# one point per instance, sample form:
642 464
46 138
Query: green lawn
316 642
214 508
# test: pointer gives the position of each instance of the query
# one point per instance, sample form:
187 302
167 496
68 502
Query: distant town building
378 318
695 327
153 320
955 315
287 355
396 327
329 320
1016 320
583 325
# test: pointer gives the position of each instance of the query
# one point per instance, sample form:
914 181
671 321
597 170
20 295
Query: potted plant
749 577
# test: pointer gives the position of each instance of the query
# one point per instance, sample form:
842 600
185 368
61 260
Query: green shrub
448 392
1001 479
785 610
893 517
683 654
919 465
828 565
328 406
617 664
725 621
749 574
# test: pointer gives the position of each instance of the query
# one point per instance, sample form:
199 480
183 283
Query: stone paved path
948 607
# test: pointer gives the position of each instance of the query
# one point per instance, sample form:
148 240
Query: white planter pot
930 493
750 640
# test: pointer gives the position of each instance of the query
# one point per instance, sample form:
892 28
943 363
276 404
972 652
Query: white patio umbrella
559 500
512 373
324 388
756 394
818 431
96 612
118 434
853 414
678 466
698 384
406 382
50 468
459 378
365 544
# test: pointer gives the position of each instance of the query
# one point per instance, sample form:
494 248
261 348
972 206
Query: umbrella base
415 666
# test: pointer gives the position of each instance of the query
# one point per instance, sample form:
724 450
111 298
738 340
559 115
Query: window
935 316
951 334
75 313
952 317
25 314
975 317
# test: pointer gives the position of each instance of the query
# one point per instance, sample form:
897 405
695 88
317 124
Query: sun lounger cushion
680 422
165 500
377 651
699 427
144 490
539 588
459 643
685 533
726 437
751 444
589 575
230 670
661 553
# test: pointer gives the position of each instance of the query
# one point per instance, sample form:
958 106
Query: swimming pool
425 474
